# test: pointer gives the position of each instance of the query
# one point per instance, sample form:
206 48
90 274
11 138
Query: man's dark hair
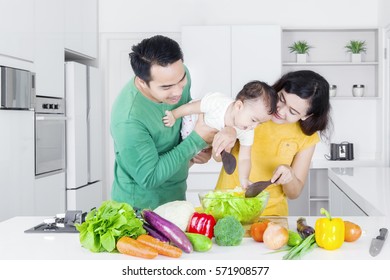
157 50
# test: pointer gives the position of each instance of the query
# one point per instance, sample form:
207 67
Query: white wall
384 13
170 15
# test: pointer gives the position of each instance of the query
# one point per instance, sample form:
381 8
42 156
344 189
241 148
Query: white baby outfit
214 106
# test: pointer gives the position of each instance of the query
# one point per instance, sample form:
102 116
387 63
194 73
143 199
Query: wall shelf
363 98
336 63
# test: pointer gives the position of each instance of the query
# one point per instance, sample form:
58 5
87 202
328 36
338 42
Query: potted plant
301 48
356 48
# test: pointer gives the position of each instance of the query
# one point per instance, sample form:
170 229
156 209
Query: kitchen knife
377 243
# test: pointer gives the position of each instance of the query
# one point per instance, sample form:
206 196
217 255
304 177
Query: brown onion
275 236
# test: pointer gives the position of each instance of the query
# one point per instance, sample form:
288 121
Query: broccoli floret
228 231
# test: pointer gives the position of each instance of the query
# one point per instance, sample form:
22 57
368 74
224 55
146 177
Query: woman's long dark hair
313 87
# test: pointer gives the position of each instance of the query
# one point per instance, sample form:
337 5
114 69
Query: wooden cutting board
280 220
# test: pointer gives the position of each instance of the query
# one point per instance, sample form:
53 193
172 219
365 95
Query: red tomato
352 231
257 230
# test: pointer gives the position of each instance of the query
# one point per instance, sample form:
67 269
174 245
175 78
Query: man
151 160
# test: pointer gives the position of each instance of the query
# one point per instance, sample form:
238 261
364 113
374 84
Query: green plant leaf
355 46
300 47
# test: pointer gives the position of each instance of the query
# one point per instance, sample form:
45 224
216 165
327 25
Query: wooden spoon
229 162
256 188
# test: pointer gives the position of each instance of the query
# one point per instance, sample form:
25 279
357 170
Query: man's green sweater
151 160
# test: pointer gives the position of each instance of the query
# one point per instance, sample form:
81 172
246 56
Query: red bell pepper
202 223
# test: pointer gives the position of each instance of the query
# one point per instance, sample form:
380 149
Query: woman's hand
224 140
283 174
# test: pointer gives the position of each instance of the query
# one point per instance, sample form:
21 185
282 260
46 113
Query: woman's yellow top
274 144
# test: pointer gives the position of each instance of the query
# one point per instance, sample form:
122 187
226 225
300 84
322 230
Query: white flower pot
358 90
356 57
301 57
332 90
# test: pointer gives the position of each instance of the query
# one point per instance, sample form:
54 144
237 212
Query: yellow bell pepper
329 232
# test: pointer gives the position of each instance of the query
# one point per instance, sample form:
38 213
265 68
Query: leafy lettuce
103 227
233 203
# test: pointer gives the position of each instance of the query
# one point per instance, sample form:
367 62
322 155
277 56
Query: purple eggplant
303 229
169 230
155 233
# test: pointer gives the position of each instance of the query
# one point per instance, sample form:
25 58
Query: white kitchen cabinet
76 124
255 54
81 27
17 29
16 163
301 205
342 205
318 191
207 54
314 196
95 121
49 195
224 58
85 199
49 47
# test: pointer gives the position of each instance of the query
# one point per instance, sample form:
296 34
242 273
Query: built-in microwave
17 88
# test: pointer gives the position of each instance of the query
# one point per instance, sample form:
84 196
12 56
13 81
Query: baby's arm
184 110
244 165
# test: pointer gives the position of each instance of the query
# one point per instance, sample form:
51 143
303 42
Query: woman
283 147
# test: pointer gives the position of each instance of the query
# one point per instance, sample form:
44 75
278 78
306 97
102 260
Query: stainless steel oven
50 138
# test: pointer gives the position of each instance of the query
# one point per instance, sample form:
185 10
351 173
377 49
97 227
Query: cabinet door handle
51 118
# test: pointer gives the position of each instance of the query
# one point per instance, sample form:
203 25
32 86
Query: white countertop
17 245
368 187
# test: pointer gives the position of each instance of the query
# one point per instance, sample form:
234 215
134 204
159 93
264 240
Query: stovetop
61 223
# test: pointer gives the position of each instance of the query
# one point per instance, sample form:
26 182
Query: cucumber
294 238
200 242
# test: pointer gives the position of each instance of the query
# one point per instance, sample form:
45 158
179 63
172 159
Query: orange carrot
162 248
132 247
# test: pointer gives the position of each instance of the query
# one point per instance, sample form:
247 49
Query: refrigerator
84 137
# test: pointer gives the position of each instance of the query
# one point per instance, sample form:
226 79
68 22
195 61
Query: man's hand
202 157
204 131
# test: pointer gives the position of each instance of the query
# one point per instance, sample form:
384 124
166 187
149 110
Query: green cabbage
233 203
